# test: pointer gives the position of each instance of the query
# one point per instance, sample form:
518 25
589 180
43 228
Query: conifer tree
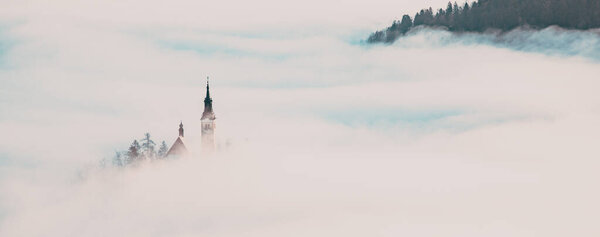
118 160
148 147
162 151
502 15
133 153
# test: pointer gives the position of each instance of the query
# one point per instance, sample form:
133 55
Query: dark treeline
503 15
139 152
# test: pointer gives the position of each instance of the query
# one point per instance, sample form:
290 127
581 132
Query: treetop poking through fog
503 15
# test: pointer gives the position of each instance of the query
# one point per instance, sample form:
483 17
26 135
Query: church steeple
208 110
208 123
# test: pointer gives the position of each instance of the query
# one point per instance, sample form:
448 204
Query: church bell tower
208 123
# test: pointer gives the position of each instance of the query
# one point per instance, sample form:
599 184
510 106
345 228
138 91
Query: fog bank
435 135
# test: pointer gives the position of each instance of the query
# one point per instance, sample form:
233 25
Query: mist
438 134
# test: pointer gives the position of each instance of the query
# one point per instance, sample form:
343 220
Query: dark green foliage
390 34
503 15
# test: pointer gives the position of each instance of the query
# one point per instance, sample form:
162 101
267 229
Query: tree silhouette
162 151
118 159
148 146
502 15
133 153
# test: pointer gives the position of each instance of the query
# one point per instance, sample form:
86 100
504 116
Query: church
179 149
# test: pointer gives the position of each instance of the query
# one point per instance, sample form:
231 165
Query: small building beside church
178 148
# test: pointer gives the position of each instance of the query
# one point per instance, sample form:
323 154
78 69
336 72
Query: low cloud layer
435 135
552 41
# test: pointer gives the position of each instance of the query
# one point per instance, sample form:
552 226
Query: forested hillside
503 15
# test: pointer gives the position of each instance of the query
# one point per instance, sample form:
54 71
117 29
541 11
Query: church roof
178 148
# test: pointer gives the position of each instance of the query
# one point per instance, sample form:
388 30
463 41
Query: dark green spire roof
208 110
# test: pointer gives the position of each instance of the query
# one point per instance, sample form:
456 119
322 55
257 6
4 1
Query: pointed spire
208 111
207 90
181 129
